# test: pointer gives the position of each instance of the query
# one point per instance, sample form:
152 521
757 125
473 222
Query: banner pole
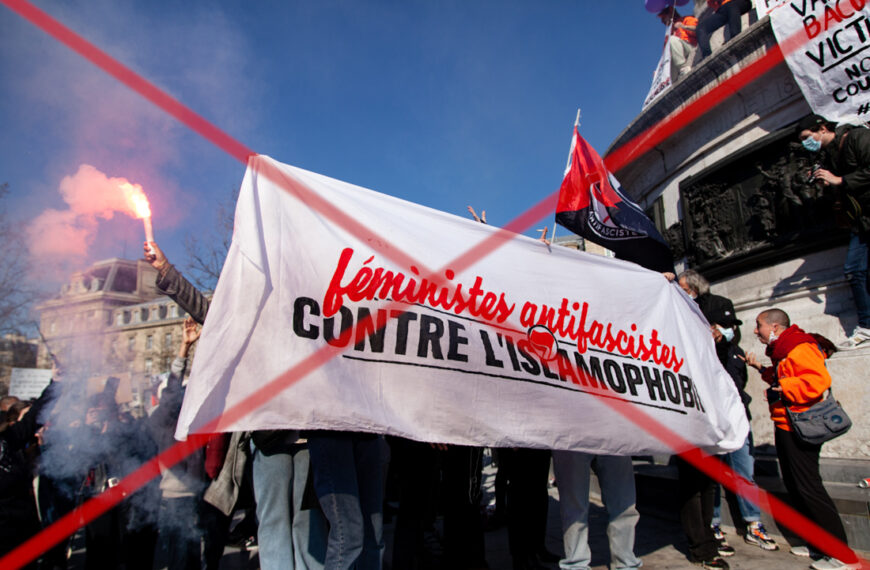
568 164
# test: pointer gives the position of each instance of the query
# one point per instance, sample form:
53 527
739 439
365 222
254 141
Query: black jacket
717 310
730 356
18 517
849 156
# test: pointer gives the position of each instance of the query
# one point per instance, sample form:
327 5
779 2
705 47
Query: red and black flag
593 205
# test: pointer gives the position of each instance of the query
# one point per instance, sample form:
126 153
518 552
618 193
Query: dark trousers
56 499
727 14
138 546
416 467
103 541
696 512
527 500
215 531
799 463
502 480
463 527
180 533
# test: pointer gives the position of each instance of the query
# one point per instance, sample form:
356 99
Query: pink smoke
90 196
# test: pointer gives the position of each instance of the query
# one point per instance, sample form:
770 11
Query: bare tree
207 252
17 290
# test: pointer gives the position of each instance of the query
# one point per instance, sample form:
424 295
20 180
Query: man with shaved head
798 379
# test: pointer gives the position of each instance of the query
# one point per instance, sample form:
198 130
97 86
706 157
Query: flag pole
568 165
571 148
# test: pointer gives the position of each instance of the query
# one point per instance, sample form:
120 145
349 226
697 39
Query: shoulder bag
823 421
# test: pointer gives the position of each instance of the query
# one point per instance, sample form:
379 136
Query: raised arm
172 283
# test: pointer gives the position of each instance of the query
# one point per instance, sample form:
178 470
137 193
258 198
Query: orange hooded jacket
799 367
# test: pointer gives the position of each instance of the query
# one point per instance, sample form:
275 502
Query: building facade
110 320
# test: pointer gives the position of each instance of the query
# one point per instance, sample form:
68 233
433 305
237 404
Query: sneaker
717 532
859 338
828 563
757 535
805 552
725 550
714 564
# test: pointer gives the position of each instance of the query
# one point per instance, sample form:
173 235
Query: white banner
456 358
28 383
662 75
832 66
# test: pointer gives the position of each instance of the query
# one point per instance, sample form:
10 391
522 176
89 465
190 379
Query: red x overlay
621 157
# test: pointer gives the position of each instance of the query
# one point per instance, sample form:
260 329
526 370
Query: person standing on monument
681 42
847 171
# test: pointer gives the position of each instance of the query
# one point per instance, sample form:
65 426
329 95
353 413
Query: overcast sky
444 103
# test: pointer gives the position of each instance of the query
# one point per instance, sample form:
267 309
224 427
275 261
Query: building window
131 343
173 311
167 340
149 342
148 366
119 318
162 312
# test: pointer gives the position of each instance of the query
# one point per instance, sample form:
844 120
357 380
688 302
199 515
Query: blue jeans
855 269
289 536
742 462
348 480
616 479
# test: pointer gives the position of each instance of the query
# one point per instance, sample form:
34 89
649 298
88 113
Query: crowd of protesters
320 495
316 499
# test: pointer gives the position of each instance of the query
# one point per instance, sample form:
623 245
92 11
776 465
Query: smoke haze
90 195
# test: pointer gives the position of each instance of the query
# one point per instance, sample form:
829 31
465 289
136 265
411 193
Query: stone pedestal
800 275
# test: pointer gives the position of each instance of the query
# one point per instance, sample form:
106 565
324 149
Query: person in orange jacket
798 379
682 41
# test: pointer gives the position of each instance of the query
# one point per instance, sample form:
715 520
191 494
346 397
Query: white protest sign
765 7
28 383
662 75
488 353
832 66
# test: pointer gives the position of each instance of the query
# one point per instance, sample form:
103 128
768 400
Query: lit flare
138 202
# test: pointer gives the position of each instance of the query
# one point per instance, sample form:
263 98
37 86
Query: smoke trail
90 195
76 452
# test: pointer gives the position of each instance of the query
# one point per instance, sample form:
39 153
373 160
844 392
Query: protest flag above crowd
592 205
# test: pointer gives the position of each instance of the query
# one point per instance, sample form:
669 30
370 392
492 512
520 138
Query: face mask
812 144
772 337
728 333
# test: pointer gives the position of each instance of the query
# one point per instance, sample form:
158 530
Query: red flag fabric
593 205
